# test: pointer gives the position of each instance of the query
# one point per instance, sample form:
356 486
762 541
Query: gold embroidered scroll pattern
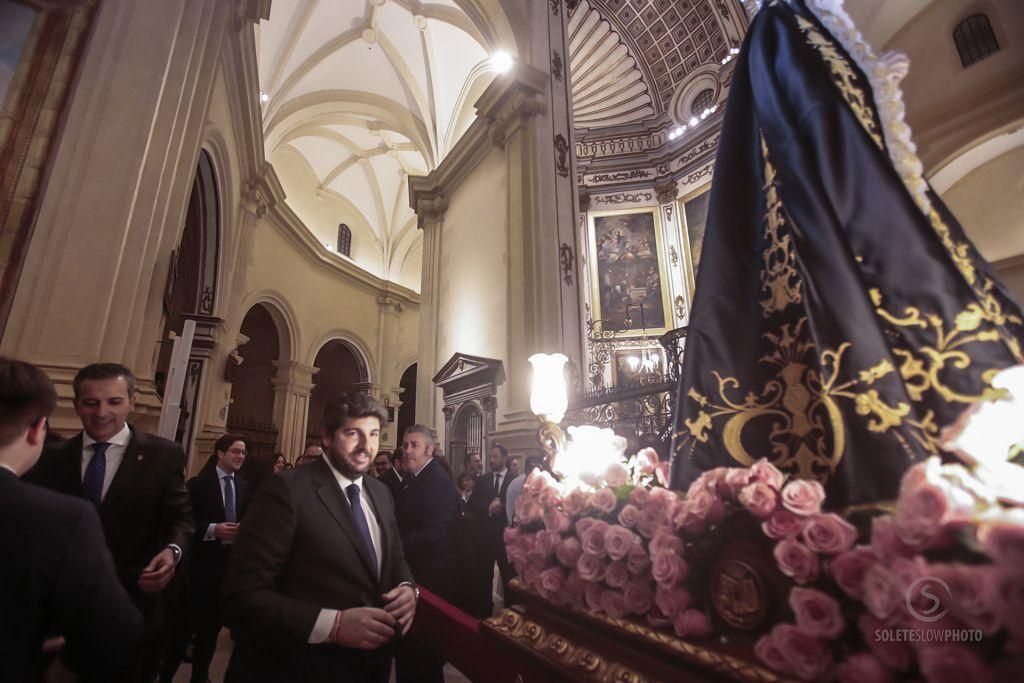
844 78
779 277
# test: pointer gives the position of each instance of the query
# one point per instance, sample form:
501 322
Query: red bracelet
336 629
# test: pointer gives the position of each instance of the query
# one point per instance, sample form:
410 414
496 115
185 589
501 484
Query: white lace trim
884 75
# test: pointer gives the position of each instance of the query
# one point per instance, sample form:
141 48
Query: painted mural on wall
629 281
15 23
694 210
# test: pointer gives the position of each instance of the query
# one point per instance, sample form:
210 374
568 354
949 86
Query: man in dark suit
487 507
319 583
56 575
219 497
137 483
394 478
427 514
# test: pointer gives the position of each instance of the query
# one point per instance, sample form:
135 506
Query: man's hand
495 507
158 573
366 628
226 531
400 603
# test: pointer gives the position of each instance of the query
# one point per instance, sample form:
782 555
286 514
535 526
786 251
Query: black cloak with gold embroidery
841 316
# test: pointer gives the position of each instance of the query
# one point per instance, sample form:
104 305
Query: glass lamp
549 400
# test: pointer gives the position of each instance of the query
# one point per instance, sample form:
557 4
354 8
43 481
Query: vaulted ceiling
358 95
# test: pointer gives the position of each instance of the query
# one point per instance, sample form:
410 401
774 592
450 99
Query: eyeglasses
238 451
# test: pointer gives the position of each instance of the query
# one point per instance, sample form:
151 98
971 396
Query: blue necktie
95 471
229 499
360 519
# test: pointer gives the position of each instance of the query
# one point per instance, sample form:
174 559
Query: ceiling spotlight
680 130
501 61
672 135
264 96
694 121
328 245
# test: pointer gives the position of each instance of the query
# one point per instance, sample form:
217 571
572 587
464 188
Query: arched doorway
407 413
252 409
467 435
341 368
190 293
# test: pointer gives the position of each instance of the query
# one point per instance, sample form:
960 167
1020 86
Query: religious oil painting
15 23
693 209
628 278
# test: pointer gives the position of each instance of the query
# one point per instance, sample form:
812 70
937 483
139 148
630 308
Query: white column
293 384
430 210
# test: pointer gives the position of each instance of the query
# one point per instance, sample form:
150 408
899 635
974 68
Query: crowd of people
114 564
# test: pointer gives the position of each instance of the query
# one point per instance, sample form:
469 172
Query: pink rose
593 538
586 522
616 475
551 580
671 601
759 499
864 668
1004 596
616 574
640 497
557 521
618 540
613 604
629 515
808 657
638 560
546 541
782 524
849 568
705 506
796 560
528 511
590 567
1003 542
549 498
689 523
592 596
894 654
638 597
885 540
952 663
650 520
767 650
829 534
577 502
882 594
604 500
691 623
666 540
668 569
803 497
967 588
765 472
736 479
568 551
511 534
647 459
816 613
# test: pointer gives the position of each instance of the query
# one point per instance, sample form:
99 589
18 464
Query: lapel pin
140 457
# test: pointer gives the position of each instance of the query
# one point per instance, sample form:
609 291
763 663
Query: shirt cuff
321 632
208 536
177 555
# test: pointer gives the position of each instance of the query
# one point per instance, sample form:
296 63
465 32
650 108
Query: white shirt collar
343 481
424 466
8 467
503 472
120 439
221 473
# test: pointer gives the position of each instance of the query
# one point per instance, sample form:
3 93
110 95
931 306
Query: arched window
344 240
703 100
974 39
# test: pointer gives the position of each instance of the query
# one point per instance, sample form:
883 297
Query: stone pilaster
430 208
293 383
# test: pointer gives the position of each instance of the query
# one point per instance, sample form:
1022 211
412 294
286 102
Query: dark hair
280 455
104 371
534 462
465 460
504 451
224 443
398 453
465 476
343 408
26 395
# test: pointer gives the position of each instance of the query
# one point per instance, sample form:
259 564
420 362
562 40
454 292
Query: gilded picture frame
622 372
628 278
693 217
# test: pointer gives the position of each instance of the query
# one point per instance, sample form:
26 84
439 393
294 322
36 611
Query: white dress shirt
208 536
325 621
115 454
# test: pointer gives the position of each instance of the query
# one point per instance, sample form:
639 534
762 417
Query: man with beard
319 583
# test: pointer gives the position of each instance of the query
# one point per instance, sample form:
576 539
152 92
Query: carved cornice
666 192
510 99
389 304
262 192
